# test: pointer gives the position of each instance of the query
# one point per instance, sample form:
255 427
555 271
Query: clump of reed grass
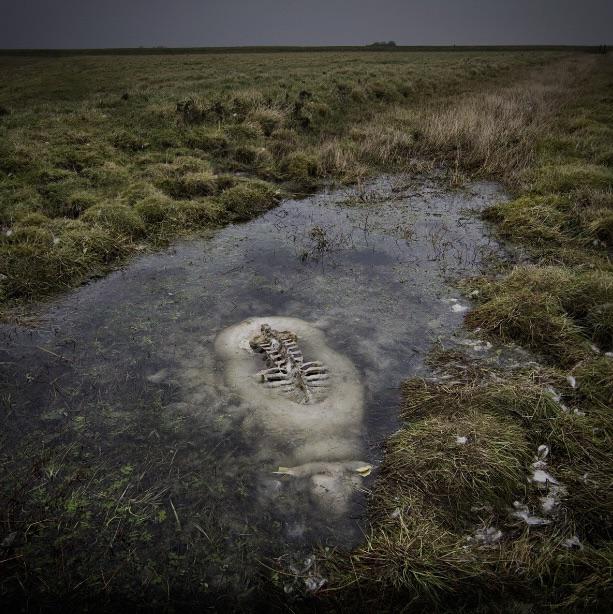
301 168
268 119
185 177
37 258
538 220
565 178
210 140
192 109
154 208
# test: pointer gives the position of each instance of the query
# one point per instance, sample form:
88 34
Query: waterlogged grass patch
182 125
113 519
243 200
535 219
538 321
193 185
595 379
411 555
445 528
35 258
185 176
301 168
154 208
552 310
460 460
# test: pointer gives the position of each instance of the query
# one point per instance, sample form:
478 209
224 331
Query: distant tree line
383 44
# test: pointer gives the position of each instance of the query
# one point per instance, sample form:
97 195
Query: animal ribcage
303 382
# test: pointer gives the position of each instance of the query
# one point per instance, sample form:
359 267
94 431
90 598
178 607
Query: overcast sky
180 23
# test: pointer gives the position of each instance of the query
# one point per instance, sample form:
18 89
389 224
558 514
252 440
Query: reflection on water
125 367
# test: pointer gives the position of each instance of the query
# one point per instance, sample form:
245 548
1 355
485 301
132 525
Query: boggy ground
496 494
101 157
122 154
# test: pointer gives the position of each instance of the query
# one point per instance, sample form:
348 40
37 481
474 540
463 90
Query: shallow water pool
121 376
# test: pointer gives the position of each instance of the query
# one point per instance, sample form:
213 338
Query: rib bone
304 382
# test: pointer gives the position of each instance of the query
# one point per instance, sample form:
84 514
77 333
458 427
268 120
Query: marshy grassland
105 157
102 157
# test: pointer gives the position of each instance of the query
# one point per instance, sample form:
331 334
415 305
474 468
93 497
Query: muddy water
126 365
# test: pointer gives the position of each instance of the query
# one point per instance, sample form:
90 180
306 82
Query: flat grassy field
103 157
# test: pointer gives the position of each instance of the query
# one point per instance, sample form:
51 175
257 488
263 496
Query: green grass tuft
243 200
487 467
117 219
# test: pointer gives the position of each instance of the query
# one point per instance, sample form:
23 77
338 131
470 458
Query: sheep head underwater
307 412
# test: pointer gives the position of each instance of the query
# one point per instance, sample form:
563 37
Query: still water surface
127 364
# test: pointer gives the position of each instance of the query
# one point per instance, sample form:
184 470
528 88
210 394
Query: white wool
542 477
477 344
548 504
314 583
324 437
486 535
553 393
522 512
572 542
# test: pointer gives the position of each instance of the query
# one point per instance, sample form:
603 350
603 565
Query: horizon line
374 46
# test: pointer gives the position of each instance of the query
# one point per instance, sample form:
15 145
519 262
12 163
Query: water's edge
125 368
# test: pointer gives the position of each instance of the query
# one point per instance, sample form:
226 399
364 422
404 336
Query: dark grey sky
178 23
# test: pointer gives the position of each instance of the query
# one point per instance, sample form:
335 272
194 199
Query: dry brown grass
491 132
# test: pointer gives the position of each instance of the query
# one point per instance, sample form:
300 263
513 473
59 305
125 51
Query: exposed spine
305 382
